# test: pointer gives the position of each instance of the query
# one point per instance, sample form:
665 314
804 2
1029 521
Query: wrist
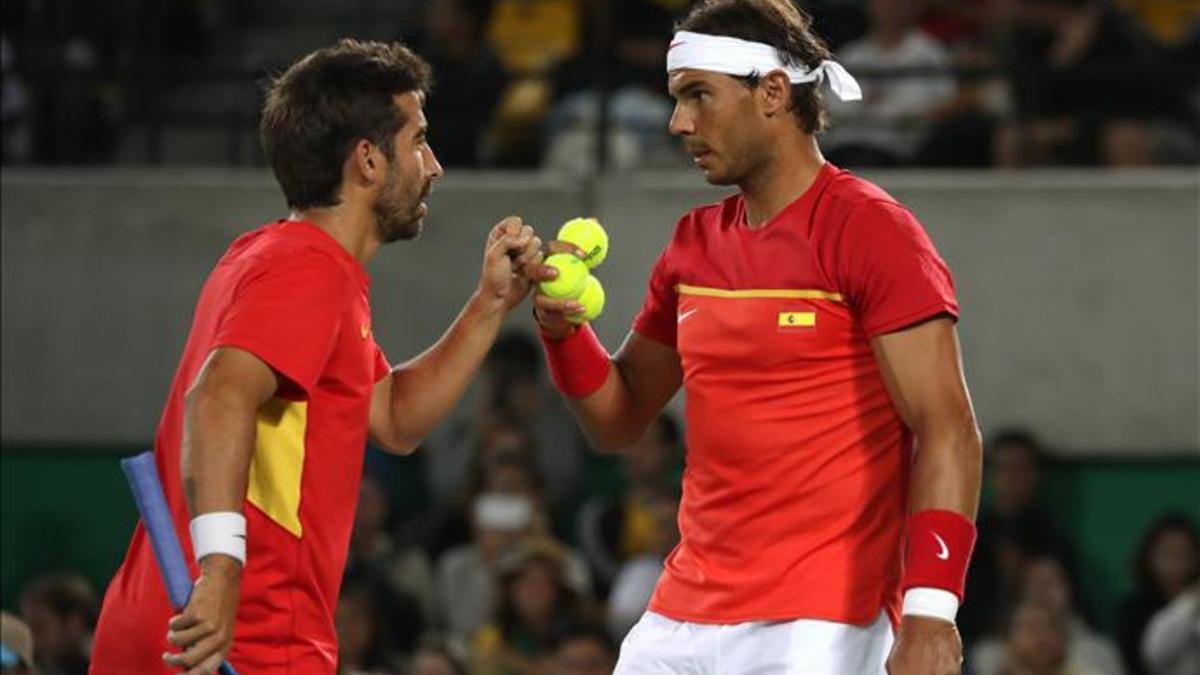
938 552
487 306
935 603
221 566
578 363
553 333
219 534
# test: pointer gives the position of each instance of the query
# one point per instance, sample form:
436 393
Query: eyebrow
686 89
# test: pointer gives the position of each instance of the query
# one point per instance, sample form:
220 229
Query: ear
774 93
365 163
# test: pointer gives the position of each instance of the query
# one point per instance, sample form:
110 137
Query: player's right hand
552 314
512 260
204 629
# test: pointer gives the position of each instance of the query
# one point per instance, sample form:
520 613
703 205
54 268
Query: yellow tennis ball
592 299
589 236
572 275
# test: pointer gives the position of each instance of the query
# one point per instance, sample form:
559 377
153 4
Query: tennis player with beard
833 455
260 446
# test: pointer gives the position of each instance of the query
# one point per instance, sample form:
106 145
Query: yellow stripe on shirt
784 293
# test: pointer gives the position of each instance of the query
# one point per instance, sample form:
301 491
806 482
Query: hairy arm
220 413
644 377
219 425
922 368
418 394
409 403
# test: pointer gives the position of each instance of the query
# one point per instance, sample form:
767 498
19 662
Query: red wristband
578 363
939 550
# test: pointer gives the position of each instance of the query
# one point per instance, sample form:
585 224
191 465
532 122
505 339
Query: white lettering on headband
732 56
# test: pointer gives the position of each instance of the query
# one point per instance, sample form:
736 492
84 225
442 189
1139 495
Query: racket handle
142 474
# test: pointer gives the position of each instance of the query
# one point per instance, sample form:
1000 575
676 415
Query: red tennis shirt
796 486
292 296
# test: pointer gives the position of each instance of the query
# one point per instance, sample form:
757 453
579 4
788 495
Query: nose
433 165
681 122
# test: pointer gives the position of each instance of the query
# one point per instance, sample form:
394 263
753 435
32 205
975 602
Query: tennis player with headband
833 455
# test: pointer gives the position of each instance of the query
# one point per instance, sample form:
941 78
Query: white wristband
219 532
932 602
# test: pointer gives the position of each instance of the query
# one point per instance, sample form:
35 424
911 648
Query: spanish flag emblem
797 319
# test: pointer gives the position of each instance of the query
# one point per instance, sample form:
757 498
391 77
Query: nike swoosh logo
365 330
943 554
685 315
675 44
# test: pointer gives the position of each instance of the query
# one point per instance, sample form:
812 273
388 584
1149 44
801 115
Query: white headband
732 56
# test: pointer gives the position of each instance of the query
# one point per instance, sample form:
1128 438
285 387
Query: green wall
64 509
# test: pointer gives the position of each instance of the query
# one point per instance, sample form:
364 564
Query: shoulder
851 201
275 252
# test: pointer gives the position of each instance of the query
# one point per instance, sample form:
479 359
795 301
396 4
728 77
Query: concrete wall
1080 291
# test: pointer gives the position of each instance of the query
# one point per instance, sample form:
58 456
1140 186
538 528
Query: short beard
393 220
392 227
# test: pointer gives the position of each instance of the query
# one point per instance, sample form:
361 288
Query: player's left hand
203 630
926 646
511 264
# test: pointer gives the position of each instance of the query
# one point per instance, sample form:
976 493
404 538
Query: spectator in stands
1171 645
906 86
585 649
440 656
61 611
1168 562
465 574
16 646
1090 88
1046 583
510 394
537 604
977 33
469 79
530 37
637 578
1011 527
508 510
15 111
1037 645
375 558
613 531
1171 23
503 465
625 55
366 622
956 23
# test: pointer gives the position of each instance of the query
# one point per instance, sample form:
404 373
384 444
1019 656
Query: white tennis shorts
661 646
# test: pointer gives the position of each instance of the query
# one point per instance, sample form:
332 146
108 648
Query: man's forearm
426 388
946 473
218 443
614 398
609 417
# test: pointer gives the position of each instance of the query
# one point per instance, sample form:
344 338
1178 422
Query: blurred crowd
537 83
506 547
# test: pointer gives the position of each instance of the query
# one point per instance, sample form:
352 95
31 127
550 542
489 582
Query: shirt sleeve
890 271
287 313
656 320
383 367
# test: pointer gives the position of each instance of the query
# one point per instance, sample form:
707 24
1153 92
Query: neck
351 226
781 180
